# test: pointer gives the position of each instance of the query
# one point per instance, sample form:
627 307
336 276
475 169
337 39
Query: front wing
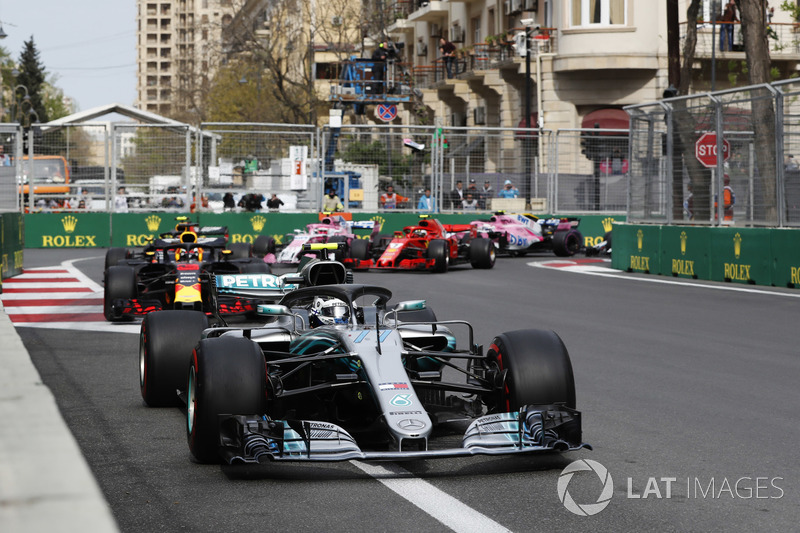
255 439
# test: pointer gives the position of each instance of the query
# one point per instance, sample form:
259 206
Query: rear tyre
263 245
439 251
165 350
539 369
115 255
120 283
567 243
227 375
359 249
241 250
482 253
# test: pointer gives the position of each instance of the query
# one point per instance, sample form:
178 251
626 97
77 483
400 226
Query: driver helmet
419 233
329 312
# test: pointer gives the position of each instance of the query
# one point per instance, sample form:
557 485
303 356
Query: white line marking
53 309
129 327
449 511
49 295
609 273
43 275
80 275
11 284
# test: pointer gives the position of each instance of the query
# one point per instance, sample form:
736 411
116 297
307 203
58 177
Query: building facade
177 49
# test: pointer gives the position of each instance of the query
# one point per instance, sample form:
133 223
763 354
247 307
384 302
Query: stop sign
705 149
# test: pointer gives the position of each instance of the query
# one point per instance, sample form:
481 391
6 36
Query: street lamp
18 103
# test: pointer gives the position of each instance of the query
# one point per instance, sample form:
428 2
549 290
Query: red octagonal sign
705 149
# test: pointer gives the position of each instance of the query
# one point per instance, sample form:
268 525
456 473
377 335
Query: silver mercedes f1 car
337 373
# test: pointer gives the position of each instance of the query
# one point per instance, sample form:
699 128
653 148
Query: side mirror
411 305
273 310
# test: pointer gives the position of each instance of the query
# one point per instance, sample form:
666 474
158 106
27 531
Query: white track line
54 309
80 275
449 511
102 327
47 295
12 284
612 273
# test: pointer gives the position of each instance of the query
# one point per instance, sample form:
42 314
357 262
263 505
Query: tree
32 76
756 47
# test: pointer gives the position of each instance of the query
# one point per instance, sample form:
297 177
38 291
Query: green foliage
367 153
32 76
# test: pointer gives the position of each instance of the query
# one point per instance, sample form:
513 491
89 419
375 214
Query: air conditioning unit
480 115
436 31
336 21
516 6
531 5
457 34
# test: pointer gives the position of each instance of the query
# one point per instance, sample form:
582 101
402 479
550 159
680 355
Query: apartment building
178 47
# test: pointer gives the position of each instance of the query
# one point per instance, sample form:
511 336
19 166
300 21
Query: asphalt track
688 392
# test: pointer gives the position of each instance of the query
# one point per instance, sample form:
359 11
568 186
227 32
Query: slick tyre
114 256
120 283
227 375
263 245
241 250
482 253
359 249
567 243
539 371
439 251
165 350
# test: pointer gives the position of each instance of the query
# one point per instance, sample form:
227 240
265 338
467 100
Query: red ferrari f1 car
431 245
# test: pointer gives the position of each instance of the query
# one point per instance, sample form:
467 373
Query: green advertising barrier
741 255
131 230
594 227
785 247
685 252
11 245
67 230
636 248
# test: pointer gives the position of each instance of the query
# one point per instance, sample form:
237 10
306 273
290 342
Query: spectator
448 51
254 202
121 201
4 159
274 203
508 190
726 30
227 202
332 203
688 203
470 203
457 195
389 198
728 199
485 193
427 203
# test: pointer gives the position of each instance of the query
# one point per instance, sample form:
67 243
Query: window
598 12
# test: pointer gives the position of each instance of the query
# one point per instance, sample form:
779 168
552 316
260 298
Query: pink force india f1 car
522 233
331 228
339 373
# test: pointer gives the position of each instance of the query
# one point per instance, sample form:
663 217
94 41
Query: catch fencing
741 145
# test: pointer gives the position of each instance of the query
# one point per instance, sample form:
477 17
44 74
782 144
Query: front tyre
227 375
439 251
120 284
539 371
482 253
165 348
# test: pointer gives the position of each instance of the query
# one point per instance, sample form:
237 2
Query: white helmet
329 312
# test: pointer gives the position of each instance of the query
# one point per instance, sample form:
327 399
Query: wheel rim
191 407
142 359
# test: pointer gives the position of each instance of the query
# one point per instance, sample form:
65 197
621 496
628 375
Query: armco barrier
11 244
70 230
756 256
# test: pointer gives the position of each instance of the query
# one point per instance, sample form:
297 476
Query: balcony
429 12
783 38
